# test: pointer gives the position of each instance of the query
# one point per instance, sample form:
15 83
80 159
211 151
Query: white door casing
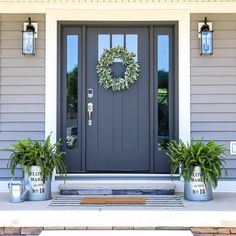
183 19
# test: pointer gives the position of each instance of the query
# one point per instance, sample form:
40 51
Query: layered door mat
77 201
117 189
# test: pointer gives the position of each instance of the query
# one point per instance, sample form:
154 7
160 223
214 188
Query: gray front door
130 129
118 139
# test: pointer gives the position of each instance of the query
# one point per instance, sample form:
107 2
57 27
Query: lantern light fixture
206 39
28 39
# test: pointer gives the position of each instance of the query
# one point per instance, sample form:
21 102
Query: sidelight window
72 92
163 90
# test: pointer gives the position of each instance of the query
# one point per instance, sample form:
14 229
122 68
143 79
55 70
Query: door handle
90 110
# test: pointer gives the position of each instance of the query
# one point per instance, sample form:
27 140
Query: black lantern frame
28 39
206 43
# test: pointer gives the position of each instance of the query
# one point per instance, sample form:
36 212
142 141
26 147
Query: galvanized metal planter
40 191
196 189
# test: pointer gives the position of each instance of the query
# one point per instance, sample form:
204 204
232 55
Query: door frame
152 27
114 14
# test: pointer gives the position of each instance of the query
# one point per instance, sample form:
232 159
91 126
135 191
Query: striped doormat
157 201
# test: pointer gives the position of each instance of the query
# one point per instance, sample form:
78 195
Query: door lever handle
90 110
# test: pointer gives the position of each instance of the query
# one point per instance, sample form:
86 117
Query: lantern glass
207 42
28 47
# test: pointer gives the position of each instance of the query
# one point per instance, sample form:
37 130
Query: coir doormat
77 201
112 200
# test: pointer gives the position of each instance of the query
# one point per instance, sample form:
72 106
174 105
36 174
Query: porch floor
221 212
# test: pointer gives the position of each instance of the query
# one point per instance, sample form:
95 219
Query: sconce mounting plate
200 24
35 26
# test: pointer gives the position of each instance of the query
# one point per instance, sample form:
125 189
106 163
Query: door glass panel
117 40
103 42
162 92
132 44
72 92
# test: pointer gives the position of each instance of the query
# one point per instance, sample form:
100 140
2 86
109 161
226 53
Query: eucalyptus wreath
104 70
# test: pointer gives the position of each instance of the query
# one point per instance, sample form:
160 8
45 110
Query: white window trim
182 17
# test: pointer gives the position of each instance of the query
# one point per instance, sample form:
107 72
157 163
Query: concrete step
117 188
116 233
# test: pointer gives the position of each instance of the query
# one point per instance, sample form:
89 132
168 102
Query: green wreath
104 70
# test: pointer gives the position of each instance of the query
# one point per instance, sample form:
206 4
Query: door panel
118 140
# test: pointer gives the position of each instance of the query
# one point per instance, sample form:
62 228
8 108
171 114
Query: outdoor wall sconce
28 38
206 38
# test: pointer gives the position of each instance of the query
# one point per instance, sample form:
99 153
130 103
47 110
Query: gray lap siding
213 84
22 85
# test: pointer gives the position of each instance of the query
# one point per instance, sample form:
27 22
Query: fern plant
210 157
28 153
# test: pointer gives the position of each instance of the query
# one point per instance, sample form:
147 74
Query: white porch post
184 78
51 77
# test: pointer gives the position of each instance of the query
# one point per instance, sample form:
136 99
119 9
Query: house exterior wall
22 81
22 85
50 19
213 84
